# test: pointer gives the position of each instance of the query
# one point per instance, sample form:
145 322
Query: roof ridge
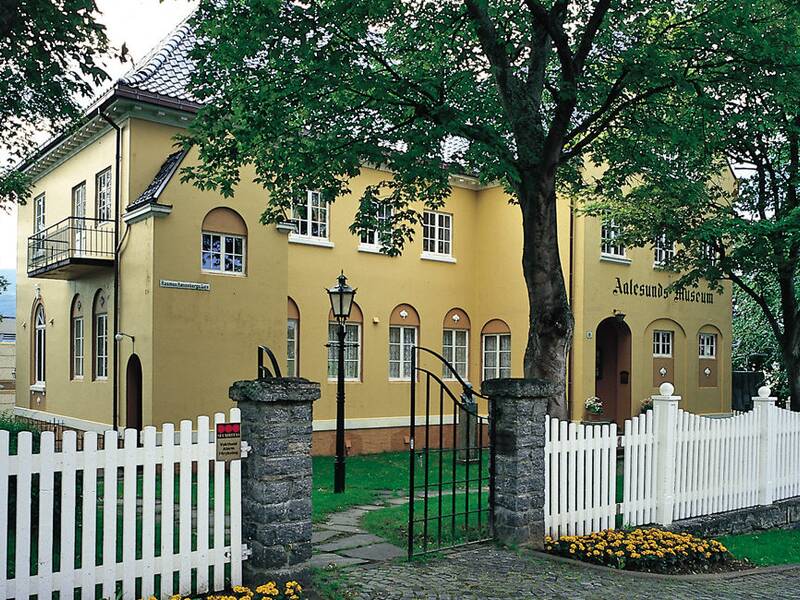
149 65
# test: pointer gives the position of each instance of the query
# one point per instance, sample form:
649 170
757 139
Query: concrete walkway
342 542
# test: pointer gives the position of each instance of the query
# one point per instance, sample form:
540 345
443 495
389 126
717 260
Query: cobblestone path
490 573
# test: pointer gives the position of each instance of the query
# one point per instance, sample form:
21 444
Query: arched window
403 336
39 344
224 242
352 348
100 345
496 344
293 340
77 337
455 343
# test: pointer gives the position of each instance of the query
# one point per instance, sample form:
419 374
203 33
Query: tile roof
160 181
167 69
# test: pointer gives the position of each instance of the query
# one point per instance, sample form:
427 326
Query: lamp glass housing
341 296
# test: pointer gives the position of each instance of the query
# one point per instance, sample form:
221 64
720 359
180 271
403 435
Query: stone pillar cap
518 387
282 389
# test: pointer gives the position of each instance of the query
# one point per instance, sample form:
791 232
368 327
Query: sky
140 24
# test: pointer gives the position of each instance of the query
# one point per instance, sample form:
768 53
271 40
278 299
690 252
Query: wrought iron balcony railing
71 248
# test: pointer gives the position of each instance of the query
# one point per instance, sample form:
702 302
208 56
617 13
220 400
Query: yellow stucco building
176 313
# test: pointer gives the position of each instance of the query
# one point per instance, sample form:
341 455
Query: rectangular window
38 214
437 229
375 237
609 246
79 212
662 344
708 345
352 351
401 344
663 251
455 349
223 253
496 355
101 347
310 217
291 348
77 347
102 195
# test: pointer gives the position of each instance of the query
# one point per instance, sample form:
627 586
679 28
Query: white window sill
622 260
38 387
346 380
101 378
371 248
223 273
310 241
399 380
662 355
446 258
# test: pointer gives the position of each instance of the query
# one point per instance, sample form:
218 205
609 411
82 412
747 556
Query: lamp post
341 297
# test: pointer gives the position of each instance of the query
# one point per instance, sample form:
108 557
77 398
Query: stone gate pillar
276 475
519 409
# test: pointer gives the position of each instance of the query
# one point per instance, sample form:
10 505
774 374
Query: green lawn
774 547
369 474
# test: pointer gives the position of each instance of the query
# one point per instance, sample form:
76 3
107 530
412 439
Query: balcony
71 249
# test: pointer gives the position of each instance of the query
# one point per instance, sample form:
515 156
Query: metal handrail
468 389
72 237
264 372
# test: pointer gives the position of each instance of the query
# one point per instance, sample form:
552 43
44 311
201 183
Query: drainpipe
117 212
571 357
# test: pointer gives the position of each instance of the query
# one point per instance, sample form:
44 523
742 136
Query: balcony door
79 220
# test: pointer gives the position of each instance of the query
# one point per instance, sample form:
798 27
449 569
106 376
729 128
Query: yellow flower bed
653 550
291 590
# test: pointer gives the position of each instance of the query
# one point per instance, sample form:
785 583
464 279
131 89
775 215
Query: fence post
665 415
764 405
276 475
519 407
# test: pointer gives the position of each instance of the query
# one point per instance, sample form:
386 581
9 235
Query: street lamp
341 297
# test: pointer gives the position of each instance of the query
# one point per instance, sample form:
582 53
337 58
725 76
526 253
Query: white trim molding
615 258
145 212
296 238
378 422
71 422
445 258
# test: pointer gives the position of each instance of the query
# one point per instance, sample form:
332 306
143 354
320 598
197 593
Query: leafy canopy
308 93
51 57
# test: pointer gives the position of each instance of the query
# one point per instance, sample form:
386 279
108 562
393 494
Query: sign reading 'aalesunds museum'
656 290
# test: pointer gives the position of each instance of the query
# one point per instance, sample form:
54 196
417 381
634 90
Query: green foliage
52 54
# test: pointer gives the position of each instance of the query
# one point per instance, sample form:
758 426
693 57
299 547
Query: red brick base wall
370 441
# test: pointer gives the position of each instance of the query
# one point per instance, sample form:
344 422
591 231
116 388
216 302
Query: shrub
653 550
271 590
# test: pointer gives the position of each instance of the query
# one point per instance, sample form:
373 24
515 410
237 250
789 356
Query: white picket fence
676 465
177 534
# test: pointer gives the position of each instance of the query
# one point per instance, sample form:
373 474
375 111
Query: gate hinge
246 449
246 552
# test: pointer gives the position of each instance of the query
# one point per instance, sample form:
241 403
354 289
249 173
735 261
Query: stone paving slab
350 517
376 552
321 561
341 528
321 535
351 541
487 572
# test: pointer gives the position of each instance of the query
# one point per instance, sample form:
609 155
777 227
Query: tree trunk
793 374
551 322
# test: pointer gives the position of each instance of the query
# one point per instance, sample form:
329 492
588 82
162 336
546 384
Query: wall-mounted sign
656 290
229 441
185 285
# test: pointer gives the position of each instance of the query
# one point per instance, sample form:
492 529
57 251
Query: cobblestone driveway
489 573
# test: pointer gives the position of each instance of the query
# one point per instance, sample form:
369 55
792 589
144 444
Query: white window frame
609 247
333 350
39 213
102 195
40 348
405 348
663 251
437 235
707 345
78 347
663 343
449 348
292 347
101 346
223 238
370 240
304 223
497 369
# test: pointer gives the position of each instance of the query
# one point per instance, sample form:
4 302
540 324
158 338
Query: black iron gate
452 459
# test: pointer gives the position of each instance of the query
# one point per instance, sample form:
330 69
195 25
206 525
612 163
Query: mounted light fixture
619 315
662 371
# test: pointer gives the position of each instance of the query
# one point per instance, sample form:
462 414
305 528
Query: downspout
117 212
571 358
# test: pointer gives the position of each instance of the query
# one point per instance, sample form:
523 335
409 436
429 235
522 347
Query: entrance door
133 393
613 369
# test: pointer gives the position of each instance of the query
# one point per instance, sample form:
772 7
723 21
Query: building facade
141 298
